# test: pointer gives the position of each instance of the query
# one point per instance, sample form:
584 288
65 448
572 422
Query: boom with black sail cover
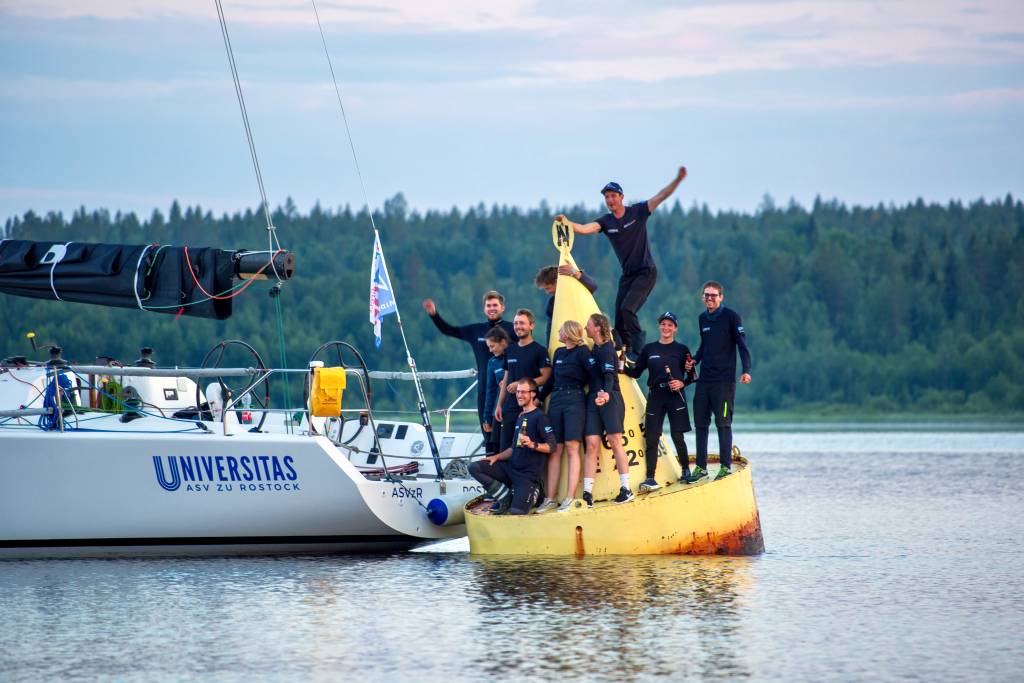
161 279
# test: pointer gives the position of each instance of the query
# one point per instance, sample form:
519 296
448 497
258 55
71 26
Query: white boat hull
140 492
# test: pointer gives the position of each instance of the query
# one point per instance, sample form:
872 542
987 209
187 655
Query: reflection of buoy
449 509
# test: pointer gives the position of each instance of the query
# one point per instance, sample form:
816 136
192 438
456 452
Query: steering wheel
227 354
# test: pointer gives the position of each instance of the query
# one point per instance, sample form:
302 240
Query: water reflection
635 615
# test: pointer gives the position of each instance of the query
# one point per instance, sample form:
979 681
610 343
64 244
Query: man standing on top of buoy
626 228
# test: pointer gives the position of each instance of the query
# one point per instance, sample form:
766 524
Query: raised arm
666 191
580 228
442 325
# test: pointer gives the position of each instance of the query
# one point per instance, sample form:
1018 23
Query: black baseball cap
669 315
612 187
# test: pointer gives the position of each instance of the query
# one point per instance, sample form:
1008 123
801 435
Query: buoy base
716 517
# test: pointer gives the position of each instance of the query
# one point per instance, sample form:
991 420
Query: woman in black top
567 411
605 410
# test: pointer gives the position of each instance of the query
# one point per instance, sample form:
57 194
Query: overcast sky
128 105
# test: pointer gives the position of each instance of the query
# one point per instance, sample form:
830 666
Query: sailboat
708 517
173 468
160 465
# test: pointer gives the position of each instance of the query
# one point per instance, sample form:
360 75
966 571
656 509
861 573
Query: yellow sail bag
327 389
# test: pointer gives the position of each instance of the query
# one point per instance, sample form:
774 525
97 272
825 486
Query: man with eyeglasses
626 228
721 336
512 476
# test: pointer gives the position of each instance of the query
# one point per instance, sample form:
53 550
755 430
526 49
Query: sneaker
502 505
588 498
649 484
502 501
723 471
625 495
548 504
685 478
698 474
566 505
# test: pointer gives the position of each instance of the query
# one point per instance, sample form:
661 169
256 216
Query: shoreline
792 420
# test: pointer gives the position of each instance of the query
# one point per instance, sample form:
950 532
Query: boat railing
258 376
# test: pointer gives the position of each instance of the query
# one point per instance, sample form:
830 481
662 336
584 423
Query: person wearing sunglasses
721 336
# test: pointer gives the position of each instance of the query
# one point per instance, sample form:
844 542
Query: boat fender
449 509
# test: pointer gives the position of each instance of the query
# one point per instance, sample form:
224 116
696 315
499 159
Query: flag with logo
382 298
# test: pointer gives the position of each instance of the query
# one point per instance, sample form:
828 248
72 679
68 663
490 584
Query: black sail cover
150 277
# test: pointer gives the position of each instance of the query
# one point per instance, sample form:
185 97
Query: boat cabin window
384 431
402 429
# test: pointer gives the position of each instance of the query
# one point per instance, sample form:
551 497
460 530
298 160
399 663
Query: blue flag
382 297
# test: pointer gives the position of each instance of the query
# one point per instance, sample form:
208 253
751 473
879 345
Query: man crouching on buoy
518 467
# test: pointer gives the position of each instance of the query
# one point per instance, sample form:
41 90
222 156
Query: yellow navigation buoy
708 517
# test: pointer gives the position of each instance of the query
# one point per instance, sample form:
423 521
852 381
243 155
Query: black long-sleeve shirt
655 356
721 335
604 375
474 336
586 281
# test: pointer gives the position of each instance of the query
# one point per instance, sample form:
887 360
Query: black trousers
633 292
714 398
508 425
524 488
492 439
662 401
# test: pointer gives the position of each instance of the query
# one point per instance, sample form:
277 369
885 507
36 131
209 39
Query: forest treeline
888 309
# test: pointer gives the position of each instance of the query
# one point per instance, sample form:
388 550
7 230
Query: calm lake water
890 556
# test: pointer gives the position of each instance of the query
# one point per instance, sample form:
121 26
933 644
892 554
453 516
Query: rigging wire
273 244
271 230
424 413
344 116
238 290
